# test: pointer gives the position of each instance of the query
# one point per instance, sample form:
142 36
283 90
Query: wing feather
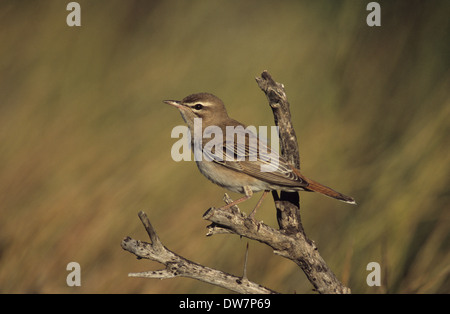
251 158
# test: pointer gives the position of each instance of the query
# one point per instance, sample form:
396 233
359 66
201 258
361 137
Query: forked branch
178 266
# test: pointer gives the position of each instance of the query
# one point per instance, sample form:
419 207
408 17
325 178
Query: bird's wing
255 159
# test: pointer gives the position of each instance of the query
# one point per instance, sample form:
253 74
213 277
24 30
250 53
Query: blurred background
85 138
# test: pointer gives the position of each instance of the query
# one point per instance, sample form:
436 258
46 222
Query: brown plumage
239 167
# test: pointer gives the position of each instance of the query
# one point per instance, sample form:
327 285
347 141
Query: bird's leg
252 214
248 193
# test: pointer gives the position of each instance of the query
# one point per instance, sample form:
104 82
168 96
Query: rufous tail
322 189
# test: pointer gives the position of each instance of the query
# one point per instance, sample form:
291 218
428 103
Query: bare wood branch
288 203
178 266
281 111
294 247
150 230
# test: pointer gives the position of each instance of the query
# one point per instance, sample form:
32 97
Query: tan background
85 139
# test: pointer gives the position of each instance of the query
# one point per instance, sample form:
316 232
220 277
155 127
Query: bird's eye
198 106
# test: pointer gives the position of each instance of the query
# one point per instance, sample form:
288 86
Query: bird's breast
229 179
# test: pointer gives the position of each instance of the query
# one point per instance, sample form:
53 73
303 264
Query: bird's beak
174 103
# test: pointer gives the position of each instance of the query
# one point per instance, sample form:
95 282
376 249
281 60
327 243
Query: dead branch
294 246
305 253
178 266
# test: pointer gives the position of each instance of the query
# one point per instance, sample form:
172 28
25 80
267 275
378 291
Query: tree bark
178 266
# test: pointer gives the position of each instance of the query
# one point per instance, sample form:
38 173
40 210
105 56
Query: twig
178 266
288 203
244 274
294 247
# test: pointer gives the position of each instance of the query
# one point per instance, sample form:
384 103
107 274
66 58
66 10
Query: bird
237 162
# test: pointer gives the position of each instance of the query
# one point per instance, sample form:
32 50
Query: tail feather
322 189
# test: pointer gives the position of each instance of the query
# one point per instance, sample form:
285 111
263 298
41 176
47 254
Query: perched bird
242 166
